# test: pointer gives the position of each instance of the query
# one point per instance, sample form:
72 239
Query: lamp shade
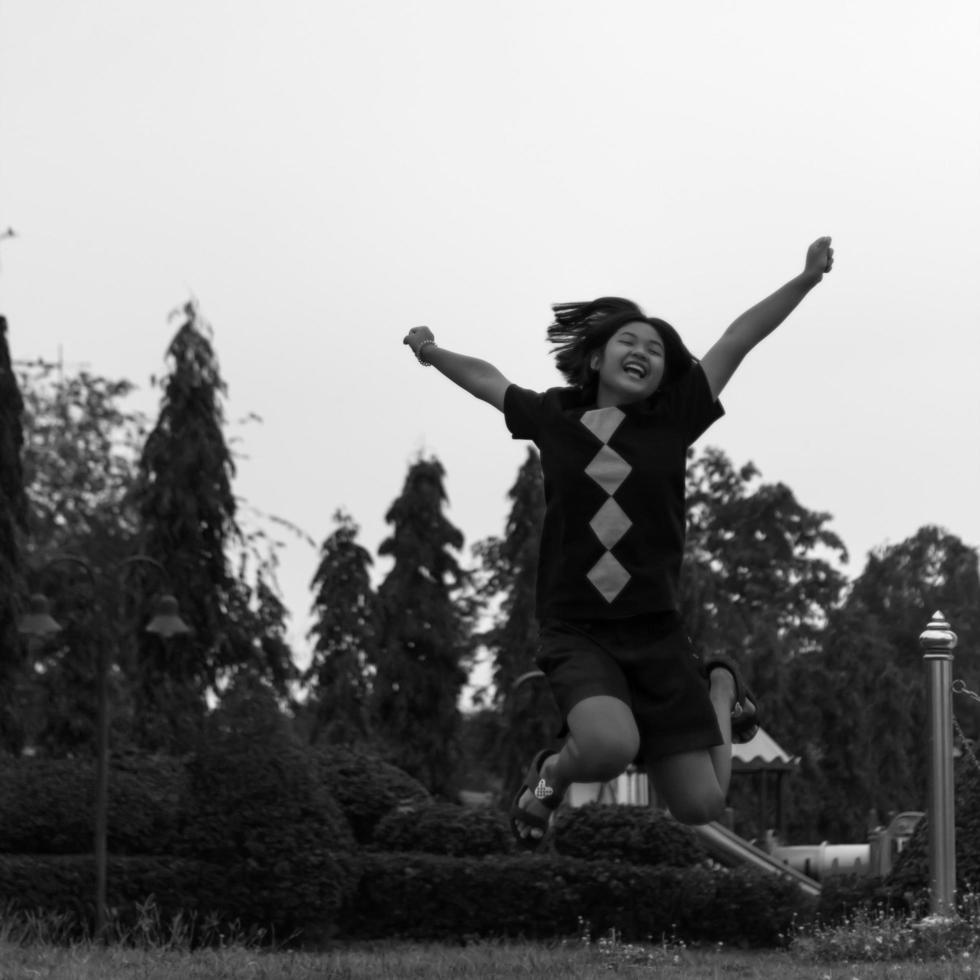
166 621
38 621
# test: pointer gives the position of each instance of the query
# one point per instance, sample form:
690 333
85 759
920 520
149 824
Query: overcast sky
322 176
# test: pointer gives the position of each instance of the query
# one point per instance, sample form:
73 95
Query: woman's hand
416 337
819 259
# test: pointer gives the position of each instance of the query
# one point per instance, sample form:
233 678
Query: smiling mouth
635 370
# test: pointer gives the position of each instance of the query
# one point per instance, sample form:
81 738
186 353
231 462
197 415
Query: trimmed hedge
430 897
911 871
366 787
638 835
256 807
66 884
445 828
47 805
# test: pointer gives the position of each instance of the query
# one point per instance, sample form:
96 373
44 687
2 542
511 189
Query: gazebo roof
762 754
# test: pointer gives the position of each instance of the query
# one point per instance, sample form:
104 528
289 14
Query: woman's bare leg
694 785
603 740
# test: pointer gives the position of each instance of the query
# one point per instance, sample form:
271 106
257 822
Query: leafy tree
425 640
757 581
13 524
871 691
187 513
856 743
756 561
346 638
528 715
80 460
902 585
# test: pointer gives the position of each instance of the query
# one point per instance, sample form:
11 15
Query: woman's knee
604 738
699 807
687 784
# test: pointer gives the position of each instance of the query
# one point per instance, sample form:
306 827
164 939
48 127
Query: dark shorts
656 671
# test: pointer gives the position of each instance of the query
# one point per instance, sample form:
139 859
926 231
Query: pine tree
13 525
346 634
529 716
188 520
426 641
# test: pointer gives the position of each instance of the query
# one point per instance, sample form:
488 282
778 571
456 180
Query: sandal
745 710
535 784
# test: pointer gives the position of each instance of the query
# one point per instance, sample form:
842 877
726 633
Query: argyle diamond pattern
610 523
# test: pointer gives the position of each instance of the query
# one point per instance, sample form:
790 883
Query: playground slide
728 848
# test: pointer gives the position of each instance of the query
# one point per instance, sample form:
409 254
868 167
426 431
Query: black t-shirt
613 535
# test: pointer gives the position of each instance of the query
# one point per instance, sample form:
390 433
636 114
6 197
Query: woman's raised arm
479 378
755 324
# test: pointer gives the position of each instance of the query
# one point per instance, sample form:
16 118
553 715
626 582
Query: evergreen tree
188 521
13 524
528 715
425 642
346 638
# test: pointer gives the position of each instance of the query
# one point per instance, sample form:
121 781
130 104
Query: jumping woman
613 445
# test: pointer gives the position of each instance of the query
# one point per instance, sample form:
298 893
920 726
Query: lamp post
166 623
937 642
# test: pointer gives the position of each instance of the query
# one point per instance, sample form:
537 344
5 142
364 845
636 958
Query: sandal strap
725 662
537 785
744 724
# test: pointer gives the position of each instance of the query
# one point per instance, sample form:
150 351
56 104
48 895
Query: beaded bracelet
418 353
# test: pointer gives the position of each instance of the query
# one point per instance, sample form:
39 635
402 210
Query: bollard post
937 642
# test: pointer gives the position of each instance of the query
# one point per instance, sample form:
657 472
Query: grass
481 961
870 947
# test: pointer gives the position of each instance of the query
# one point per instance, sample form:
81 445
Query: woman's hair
580 329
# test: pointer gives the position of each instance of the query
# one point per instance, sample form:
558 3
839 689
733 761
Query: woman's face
630 366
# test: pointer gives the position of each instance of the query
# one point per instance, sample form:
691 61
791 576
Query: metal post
937 642
101 791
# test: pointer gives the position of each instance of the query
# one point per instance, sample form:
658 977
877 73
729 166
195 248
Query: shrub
638 835
430 897
366 787
62 888
256 807
47 805
445 828
842 897
911 871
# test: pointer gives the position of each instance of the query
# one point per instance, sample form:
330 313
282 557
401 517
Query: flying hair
579 329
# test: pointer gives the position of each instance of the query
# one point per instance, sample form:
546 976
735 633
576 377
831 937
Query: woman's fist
819 259
416 337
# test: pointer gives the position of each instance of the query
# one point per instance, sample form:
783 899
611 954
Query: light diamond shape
608 469
610 523
608 576
603 422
